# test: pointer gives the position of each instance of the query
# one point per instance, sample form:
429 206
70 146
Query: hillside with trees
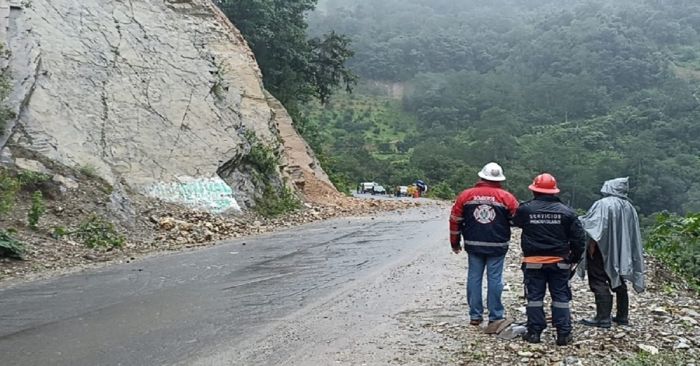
587 90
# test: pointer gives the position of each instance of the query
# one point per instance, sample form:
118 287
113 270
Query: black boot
603 306
564 340
531 337
623 308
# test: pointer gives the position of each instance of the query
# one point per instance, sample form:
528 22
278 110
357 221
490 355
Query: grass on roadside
675 241
666 358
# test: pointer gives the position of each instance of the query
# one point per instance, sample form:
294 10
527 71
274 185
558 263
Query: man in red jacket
481 215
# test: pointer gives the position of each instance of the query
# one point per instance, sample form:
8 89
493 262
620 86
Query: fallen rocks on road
195 228
168 227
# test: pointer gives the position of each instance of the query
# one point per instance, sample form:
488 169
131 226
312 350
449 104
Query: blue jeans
494 276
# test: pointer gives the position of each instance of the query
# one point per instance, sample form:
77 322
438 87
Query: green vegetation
441 190
675 240
664 358
361 138
587 90
261 157
9 246
96 232
37 210
31 181
275 199
12 183
59 232
5 88
9 187
276 202
295 69
88 170
218 89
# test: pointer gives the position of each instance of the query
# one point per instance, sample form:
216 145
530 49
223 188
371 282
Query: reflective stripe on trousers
540 265
555 304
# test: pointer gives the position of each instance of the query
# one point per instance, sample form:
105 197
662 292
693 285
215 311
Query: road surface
330 292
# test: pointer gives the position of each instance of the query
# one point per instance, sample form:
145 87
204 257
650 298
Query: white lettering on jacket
546 219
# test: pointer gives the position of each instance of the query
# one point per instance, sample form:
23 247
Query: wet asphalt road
181 308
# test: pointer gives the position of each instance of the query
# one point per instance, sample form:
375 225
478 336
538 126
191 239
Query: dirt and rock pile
148 225
192 228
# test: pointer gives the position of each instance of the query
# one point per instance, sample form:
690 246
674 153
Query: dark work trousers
598 280
536 282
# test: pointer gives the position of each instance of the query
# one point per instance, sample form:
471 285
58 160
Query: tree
295 69
326 69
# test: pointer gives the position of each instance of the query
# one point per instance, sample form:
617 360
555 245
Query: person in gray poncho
613 253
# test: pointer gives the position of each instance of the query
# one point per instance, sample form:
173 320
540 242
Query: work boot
603 307
564 340
623 308
531 337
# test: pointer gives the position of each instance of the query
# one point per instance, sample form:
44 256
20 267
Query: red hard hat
544 183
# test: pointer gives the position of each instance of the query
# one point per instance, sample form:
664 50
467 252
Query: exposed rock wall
299 163
152 94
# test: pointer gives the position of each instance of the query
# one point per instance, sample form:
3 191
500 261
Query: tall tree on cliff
295 69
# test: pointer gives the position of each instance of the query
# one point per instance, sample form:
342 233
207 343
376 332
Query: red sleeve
456 219
512 204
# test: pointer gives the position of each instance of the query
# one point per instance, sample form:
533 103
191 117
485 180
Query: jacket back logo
484 214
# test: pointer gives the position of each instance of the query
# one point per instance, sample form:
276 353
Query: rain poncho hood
613 223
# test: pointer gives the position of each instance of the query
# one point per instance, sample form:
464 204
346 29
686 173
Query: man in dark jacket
552 241
481 215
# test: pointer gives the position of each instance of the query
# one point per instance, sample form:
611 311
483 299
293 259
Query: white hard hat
492 172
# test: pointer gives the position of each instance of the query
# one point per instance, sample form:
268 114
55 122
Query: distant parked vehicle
402 191
378 190
366 187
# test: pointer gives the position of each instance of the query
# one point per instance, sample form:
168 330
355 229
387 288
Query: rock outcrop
153 95
299 163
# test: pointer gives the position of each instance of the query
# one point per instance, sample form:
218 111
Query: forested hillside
587 90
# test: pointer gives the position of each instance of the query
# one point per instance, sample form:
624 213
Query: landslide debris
75 203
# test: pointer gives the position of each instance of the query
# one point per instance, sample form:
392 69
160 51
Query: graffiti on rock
208 194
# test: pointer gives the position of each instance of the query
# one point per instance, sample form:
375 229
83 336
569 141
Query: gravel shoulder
664 319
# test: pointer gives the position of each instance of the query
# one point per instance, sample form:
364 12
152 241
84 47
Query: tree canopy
587 90
295 68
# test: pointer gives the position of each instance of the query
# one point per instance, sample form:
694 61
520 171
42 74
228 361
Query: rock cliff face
155 95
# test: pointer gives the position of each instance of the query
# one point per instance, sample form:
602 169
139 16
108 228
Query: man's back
481 214
550 228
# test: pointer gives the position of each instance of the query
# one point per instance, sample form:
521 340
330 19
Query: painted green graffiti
210 194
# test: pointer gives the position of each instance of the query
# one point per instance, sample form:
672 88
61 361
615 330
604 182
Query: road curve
301 296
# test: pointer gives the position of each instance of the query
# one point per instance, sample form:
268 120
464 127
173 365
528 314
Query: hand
456 249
